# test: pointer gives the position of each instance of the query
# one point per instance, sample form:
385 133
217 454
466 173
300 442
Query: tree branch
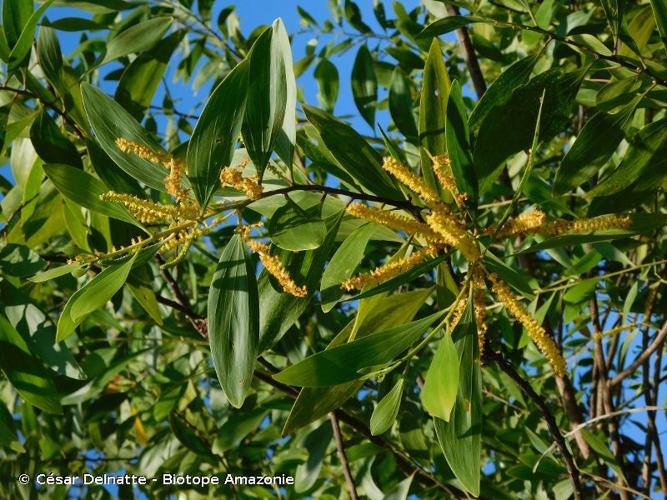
341 455
528 390
657 342
469 55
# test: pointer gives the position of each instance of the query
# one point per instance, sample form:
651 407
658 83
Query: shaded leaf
365 85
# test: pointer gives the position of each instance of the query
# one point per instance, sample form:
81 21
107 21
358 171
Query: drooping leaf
21 49
385 412
233 321
316 443
50 143
214 139
365 85
286 141
326 75
400 105
459 146
293 228
92 296
442 380
660 13
460 438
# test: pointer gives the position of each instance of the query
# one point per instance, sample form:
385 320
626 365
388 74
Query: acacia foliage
252 285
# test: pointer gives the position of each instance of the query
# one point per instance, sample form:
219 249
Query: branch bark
343 458
657 342
469 55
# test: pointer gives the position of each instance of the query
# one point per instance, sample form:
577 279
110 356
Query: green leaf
85 190
214 139
49 55
293 228
50 143
55 272
110 122
316 443
187 435
138 38
344 363
326 75
509 127
442 380
401 490
15 16
20 261
142 76
458 144
342 265
501 90
365 85
93 295
660 13
461 437
447 25
31 380
267 97
400 105
646 159
286 141
433 110
594 145
21 49
233 321
354 155
385 412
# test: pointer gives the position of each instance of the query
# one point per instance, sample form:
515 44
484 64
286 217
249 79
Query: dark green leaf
660 14
137 38
365 85
326 75
293 228
21 50
400 105
50 143
458 144
214 139
316 443
19 260
447 25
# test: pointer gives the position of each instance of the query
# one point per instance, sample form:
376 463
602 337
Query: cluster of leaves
112 360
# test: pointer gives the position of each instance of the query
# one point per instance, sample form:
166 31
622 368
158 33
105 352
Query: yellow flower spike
535 331
480 309
416 184
145 211
442 222
601 223
249 185
143 152
277 269
530 222
389 270
443 171
394 221
173 181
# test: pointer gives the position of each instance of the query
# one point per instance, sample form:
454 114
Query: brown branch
469 55
657 342
528 390
338 438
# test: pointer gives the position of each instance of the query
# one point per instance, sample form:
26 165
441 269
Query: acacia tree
468 301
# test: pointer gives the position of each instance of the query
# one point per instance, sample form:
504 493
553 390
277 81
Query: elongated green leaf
342 265
110 122
233 321
267 97
442 380
400 105
433 110
92 296
646 158
55 272
458 145
21 49
365 85
50 143
20 261
326 75
343 363
49 55
594 145
660 13
214 139
461 437
141 78
286 141
316 443
447 25
387 311
293 228
501 90
508 128
385 412
401 490
31 380
85 190
354 155
137 38
15 16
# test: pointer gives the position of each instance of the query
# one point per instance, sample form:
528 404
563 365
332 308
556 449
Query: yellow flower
145 211
394 221
173 181
406 177
601 223
443 171
535 331
249 185
389 270
527 223
277 269
453 233
143 152
480 309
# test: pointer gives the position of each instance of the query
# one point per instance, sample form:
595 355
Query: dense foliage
469 301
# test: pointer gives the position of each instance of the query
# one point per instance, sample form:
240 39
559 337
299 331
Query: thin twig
657 342
338 438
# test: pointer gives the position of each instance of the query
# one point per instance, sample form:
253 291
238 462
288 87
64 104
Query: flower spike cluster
233 177
536 332
535 222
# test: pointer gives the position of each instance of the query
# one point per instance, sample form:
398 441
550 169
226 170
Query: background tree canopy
206 270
